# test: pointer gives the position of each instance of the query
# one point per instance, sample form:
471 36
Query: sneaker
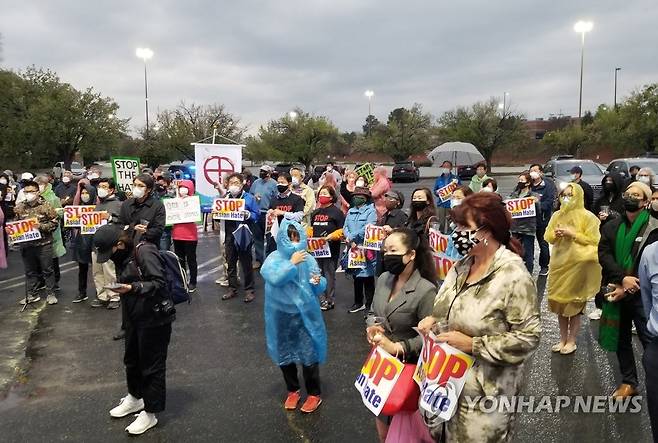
326 305
595 314
80 298
291 401
98 303
543 271
191 288
340 269
311 404
634 330
142 423
356 308
249 297
113 305
127 405
29 299
51 299
222 282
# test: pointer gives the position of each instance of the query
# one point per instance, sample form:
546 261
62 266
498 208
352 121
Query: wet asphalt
223 387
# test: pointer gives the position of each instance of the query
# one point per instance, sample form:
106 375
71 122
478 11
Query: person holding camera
147 312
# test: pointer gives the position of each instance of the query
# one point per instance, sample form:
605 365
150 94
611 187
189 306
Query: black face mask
282 189
120 255
522 185
419 205
263 175
609 186
631 205
159 188
394 263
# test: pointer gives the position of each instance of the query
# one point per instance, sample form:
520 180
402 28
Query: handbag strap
429 221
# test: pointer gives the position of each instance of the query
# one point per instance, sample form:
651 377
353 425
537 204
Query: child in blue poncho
294 327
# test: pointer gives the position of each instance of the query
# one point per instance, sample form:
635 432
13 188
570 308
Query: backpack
175 276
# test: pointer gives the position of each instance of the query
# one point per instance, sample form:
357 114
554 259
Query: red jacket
185 231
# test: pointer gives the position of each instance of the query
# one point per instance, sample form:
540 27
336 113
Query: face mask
481 174
66 179
85 198
573 177
359 201
93 176
31 196
139 192
3 181
262 174
464 241
325 200
644 179
444 171
394 263
522 185
330 168
486 189
631 205
171 193
234 189
654 205
295 181
42 188
455 202
184 192
103 193
534 175
565 200
282 189
419 205
120 255
360 184
609 186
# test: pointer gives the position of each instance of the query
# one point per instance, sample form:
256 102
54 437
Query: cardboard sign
367 172
182 210
91 221
443 264
228 209
72 215
318 247
22 231
438 242
440 246
521 207
374 237
124 171
377 378
446 192
441 372
356 258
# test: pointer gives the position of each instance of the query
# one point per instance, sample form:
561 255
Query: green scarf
624 241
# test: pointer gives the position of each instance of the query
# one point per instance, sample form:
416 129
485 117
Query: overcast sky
261 59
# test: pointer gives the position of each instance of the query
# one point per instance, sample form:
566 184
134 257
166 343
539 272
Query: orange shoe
311 403
291 401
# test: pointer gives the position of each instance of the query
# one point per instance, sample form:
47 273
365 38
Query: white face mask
183 192
644 179
444 171
455 202
566 199
3 181
93 176
486 189
31 196
66 179
139 192
235 189
360 184
85 198
573 177
330 168
103 193
42 188
295 181
534 175
654 205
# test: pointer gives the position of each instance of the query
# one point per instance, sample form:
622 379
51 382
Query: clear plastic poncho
574 272
294 327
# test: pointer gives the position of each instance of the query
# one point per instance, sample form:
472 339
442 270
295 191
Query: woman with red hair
489 303
379 189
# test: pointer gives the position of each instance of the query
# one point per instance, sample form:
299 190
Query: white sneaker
222 282
128 405
595 314
51 299
142 423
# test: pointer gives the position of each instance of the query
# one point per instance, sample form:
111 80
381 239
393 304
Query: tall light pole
369 93
503 106
616 71
145 54
583 27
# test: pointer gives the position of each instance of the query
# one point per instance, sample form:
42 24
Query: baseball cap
27 176
576 170
105 238
266 168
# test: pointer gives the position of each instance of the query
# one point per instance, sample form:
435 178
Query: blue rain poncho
294 327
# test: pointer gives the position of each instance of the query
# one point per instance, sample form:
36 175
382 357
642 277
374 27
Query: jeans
83 275
311 378
544 253
364 285
631 312
650 363
328 268
245 259
38 264
259 238
528 243
186 252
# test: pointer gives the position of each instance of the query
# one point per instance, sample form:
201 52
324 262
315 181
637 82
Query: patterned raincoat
500 311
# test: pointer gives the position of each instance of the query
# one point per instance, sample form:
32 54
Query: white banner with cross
214 163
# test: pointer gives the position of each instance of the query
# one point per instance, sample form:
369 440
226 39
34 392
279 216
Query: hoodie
185 231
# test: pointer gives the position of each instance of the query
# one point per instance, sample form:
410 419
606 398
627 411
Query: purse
405 393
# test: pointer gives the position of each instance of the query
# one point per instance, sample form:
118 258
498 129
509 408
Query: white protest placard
182 210
521 207
441 372
228 209
356 258
72 215
22 231
91 221
214 162
318 247
374 237
377 379
124 171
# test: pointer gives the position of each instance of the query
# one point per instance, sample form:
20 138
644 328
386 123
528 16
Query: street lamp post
583 27
369 93
145 54
616 71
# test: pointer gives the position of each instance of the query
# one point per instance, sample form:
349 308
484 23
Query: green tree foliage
46 120
485 126
406 132
568 140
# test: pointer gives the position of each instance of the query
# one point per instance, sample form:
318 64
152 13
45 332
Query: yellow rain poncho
574 274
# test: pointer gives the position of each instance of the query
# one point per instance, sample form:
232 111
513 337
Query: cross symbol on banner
217 165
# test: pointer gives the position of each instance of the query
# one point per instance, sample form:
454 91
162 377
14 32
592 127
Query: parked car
187 171
559 169
405 171
622 165
76 168
466 172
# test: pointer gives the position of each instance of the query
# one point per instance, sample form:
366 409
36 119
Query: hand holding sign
457 340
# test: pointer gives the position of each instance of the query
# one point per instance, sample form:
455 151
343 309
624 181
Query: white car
76 168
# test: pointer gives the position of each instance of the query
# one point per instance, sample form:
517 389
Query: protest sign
214 162
356 258
443 254
228 209
72 215
521 207
374 237
438 241
182 210
91 221
23 231
441 372
124 171
443 264
367 172
318 247
271 225
377 379
446 192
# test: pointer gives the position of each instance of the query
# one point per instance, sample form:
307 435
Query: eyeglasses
634 195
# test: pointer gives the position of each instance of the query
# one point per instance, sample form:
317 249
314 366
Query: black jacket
132 212
589 194
149 287
612 272
612 199
395 219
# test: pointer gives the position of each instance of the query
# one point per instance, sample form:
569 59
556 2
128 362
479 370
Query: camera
165 308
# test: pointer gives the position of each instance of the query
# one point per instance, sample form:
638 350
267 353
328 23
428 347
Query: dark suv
405 171
559 169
